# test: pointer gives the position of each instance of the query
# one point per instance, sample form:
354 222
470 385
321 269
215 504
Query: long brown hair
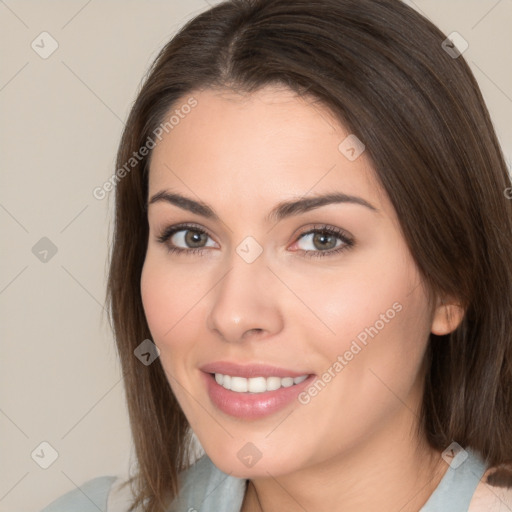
382 70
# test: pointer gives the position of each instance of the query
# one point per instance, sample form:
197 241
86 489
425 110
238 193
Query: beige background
60 125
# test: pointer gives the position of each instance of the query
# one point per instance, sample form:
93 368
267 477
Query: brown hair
381 68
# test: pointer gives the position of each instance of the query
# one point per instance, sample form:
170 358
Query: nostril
255 330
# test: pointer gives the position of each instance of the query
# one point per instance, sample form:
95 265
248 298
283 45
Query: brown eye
192 238
324 241
320 241
183 238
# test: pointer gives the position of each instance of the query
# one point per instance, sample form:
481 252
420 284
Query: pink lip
250 370
251 406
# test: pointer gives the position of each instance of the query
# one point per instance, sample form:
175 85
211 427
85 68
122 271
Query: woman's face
313 309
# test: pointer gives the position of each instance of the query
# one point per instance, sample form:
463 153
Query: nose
246 302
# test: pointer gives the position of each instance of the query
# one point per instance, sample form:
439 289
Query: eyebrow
279 212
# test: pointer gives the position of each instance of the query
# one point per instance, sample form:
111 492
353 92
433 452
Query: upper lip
249 370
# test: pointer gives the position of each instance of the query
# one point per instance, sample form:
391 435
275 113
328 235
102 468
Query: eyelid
325 228
169 231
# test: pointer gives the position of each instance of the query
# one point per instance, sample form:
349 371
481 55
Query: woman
311 269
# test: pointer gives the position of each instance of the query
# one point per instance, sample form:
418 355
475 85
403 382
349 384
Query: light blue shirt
204 488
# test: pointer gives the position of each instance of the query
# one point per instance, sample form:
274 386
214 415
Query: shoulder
89 497
493 495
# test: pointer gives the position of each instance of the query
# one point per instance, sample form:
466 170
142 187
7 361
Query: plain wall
61 120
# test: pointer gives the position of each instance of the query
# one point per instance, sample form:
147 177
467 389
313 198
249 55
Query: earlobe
447 317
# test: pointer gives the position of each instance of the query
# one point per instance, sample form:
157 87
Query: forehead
267 144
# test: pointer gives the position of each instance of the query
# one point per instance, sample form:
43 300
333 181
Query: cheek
174 306
167 302
379 323
362 300
155 295
166 298
389 349
370 367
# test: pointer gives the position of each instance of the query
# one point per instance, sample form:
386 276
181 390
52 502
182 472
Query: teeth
273 383
256 384
239 384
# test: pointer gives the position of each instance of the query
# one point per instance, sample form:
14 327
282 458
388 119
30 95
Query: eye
317 242
185 238
324 241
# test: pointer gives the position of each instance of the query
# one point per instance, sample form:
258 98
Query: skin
490 497
354 446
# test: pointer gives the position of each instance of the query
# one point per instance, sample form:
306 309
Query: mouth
256 384
254 391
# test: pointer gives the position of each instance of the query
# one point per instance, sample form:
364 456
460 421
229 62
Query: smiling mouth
256 384
263 390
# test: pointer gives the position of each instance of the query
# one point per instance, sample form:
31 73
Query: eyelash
348 242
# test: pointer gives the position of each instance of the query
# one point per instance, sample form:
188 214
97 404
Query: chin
249 463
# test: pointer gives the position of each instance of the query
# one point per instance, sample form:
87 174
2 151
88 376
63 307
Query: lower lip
252 406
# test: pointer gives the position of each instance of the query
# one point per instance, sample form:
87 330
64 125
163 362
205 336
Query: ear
448 315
